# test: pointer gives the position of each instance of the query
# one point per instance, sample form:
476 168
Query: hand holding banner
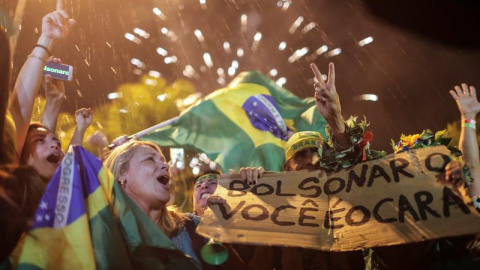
398 199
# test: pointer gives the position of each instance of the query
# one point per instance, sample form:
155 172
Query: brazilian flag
245 124
86 221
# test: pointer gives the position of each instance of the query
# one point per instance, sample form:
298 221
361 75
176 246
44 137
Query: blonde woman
143 172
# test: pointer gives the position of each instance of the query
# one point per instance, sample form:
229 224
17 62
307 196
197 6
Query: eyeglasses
209 179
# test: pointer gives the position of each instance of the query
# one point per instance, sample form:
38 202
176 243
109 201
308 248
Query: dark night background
421 49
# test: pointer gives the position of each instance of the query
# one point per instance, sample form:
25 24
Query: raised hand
83 117
250 175
98 139
54 89
454 173
466 98
57 24
326 96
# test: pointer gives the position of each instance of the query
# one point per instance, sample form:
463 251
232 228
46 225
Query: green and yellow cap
302 140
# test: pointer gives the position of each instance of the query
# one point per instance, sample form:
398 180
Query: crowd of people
31 153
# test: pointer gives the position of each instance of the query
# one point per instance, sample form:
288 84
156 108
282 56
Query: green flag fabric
245 124
86 221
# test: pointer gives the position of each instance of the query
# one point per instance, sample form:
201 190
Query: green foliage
333 157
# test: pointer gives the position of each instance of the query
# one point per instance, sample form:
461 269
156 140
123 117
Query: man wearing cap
301 151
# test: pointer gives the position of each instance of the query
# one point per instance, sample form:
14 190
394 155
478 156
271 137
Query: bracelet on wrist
469 125
469 121
45 48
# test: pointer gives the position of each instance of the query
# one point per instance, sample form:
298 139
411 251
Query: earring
123 181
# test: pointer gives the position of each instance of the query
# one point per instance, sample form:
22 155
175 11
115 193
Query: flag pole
148 130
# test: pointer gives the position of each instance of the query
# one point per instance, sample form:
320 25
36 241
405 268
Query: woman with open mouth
143 172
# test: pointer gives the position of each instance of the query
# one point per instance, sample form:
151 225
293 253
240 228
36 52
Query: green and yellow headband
207 177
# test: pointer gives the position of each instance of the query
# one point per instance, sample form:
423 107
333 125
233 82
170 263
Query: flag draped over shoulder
244 124
85 221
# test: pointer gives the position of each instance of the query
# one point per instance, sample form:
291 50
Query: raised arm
99 140
466 98
55 26
83 118
328 104
55 95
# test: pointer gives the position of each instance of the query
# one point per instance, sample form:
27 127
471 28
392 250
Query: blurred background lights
221 81
141 33
231 71
114 95
334 52
189 71
203 4
321 50
365 41
193 162
240 52
295 25
199 35
162 51
286 5
256 40
308 27
159 13
273 72
208 60
132 38
366 97
281 81
151 82
117 43
243 22
137 63
258 36
170 59
154 73
297 54
226 46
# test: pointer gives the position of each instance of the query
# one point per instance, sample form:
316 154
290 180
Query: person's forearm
77 138
50 114
337 126
26 89
469 147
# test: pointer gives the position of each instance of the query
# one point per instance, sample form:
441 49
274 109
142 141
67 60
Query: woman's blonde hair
171 220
